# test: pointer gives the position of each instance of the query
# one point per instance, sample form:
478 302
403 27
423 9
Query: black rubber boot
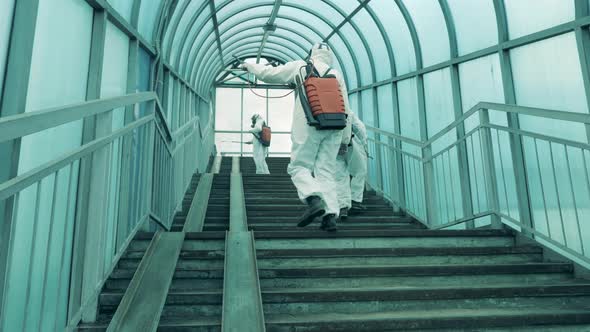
357 208
329 223
343 213
315 209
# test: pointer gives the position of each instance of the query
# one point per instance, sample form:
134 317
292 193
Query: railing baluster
451 180
62 261
475 175
586 171
446 186
542 187
502 172
557 191
569 173
48 246
34 242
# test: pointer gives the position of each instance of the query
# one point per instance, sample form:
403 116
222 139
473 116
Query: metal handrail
428 186
22 181
15 126
143 151
515 109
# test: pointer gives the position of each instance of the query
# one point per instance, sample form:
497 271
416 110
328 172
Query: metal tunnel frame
191 45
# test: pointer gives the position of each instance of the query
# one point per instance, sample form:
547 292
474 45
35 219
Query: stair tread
309 233
340 252
419 315
543 289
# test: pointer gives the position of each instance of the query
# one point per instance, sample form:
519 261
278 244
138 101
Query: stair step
397 252
178 284
182 263
314 238
370 300
266 227
425 319
418 259
339 282
416 270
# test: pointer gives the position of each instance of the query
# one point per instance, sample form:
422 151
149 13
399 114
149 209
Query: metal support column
463 162
92 188
583 41
516 146
428 170
127 148
13 101
489 167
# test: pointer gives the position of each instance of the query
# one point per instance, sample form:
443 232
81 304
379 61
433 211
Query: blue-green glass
347 64
377 50
148 14
399 34
327 12
481 81
49 71
548 13
6 13
432 30
123 7
114 83
548 74
361 54
475 24
237 10
183 26
409 115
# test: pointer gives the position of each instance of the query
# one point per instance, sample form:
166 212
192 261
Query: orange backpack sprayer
322 100
265 135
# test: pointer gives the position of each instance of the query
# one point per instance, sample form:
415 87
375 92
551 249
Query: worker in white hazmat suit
260 151
357 163
353 163
342 177
313 152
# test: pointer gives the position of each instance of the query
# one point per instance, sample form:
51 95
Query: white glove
245 66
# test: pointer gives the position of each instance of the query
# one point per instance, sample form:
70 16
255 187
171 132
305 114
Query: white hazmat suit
313 151
260 151
354 164
357 159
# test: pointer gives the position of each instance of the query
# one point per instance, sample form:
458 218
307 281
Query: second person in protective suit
313 151
259 150
353 164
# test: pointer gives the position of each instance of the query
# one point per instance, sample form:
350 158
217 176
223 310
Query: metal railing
429 188
83 208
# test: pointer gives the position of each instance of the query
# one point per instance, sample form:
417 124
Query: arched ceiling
373 40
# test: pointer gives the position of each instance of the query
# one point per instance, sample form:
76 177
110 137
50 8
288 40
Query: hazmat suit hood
321 53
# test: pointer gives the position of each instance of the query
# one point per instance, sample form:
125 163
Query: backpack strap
311 70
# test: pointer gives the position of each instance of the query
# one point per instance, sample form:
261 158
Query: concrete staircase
381 271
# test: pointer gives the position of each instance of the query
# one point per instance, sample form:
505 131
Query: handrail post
428 174
396 187
489 168
379 164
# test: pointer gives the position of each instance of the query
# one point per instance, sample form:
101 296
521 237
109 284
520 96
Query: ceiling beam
347 19
216 28
269 27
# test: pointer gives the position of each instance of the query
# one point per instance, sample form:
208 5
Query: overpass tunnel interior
413 68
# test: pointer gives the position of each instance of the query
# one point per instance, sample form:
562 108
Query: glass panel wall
546 14
42 238
398 33
6 13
